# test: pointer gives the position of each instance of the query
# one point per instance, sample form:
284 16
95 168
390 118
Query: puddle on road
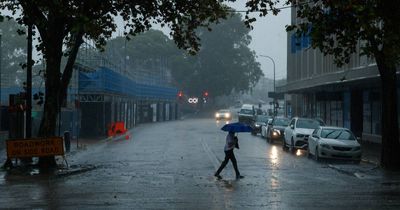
227 184
34 172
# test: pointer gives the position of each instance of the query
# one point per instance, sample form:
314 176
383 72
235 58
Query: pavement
369 167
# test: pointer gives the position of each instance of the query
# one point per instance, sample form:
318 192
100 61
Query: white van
246 114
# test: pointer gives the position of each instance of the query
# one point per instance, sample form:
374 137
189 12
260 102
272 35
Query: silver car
334 142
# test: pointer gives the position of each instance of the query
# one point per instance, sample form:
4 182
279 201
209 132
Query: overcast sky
269 38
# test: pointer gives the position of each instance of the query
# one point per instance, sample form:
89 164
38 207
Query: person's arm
236 142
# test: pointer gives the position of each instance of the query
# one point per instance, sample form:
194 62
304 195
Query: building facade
349 96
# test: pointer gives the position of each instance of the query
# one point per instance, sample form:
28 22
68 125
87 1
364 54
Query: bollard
67 141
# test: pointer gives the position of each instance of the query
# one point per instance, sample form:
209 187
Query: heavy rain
257 104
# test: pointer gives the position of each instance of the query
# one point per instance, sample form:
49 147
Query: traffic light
180 96
205 96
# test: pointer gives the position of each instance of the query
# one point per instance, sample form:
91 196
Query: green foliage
13 53
224 63
62 26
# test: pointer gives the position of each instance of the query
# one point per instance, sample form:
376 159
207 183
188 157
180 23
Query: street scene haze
213 104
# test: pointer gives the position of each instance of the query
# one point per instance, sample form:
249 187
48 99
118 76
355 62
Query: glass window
376 117
340 134
307 123
246 111
281 121
292 122
366 113
262 118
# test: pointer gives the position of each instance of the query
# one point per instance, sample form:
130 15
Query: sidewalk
63 170
369 167
371 152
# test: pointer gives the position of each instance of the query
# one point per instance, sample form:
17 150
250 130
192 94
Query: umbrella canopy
236 127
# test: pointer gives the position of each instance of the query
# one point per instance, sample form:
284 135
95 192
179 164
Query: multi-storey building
348 96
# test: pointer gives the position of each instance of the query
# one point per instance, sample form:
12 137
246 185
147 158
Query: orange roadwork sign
36 147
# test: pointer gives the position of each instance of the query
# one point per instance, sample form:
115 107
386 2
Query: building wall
331 100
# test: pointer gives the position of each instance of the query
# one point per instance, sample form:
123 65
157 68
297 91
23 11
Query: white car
264 129
297 133
223 114
334 142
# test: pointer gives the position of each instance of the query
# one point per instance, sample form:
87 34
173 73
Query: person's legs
234 163
223 164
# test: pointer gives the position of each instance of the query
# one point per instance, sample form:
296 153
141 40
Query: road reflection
273 155
299 152
221 122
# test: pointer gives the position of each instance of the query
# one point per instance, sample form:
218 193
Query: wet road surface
170 165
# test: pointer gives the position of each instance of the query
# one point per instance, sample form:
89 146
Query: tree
62 25
13 53
146 51
224 63
336 27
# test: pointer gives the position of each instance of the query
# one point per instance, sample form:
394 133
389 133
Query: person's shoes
218 176
239 177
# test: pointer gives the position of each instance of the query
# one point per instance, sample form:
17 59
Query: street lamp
273 62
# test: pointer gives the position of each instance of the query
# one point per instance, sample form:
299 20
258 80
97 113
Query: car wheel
308 152
292 149
316 155
284 146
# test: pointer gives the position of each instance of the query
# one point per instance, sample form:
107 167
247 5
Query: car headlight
325 146
276 132
216 115
227 115
257 125
299 135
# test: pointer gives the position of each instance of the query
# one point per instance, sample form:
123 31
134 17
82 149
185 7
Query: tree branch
67 73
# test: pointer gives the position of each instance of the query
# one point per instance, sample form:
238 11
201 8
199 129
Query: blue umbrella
236 127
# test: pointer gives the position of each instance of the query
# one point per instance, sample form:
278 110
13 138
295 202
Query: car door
312 141
269 126
289 130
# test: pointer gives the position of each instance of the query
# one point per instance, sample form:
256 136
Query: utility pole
1 67
273 62
28 94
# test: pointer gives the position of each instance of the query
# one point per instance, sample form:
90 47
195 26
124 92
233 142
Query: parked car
247 114
298 131
264 129
223 114
276 128
334 142
260 120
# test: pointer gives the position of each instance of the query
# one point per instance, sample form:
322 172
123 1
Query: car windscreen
307 123
246 111
223 111
262 118
281 122
341 134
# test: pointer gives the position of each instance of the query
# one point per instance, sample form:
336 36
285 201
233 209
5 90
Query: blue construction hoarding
104 80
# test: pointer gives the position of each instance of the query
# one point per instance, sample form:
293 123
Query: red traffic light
206 93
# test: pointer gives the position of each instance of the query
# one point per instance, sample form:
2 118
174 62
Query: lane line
213 158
